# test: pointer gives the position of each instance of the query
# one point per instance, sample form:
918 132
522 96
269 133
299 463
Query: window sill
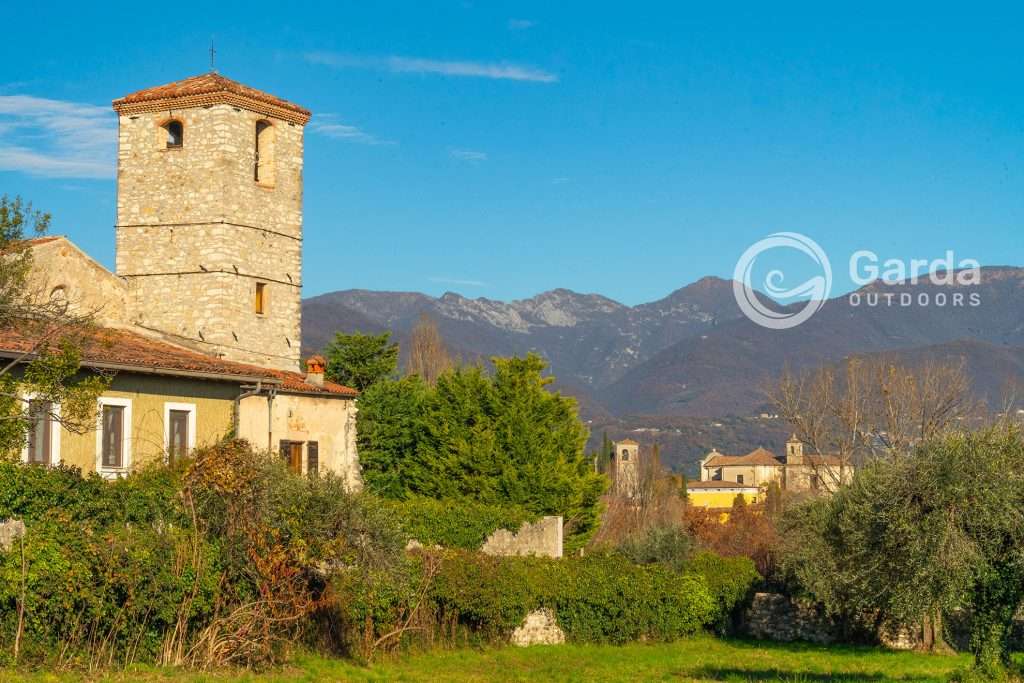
265 186
112 472
173 149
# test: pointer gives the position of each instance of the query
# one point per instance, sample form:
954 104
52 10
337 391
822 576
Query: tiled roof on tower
209 88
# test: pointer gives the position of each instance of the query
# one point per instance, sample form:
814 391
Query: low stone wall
542 538
9 532
772 616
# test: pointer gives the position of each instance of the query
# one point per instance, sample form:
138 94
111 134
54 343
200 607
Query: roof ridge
203 89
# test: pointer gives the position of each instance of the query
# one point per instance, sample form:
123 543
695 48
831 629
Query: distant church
206 292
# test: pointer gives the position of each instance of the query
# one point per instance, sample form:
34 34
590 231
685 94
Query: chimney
315 367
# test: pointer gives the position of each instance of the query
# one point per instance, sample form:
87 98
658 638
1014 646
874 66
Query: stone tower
209 217
794 451
626 469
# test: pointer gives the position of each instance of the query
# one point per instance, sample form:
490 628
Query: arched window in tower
625 454
264 153
175 134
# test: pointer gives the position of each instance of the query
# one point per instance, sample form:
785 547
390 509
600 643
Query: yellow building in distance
720 495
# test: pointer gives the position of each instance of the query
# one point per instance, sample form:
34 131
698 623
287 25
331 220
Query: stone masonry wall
772 616
87 287
540 627
196 232
543 539
9 532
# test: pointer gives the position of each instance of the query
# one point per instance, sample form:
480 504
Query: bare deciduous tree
655 501
428 355
870 408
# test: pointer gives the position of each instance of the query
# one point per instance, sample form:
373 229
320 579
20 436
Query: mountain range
693 353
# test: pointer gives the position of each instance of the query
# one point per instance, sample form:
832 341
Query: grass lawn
697 659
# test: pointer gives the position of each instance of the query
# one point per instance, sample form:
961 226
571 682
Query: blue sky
503 149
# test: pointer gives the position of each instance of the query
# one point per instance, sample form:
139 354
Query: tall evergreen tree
360 360
504 439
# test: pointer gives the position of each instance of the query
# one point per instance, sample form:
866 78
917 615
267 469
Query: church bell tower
209 217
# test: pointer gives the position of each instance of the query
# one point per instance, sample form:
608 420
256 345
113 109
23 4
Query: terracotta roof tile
209 86
758 456
110 347
46 239
628 442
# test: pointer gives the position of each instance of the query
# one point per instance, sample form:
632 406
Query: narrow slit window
263 154
175 134
260 302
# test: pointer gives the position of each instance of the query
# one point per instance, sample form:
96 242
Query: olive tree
938 529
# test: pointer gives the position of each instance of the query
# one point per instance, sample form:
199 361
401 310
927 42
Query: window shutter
285 450
312 457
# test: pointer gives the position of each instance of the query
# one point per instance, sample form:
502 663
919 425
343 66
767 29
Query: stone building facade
795 471
200 322
209 217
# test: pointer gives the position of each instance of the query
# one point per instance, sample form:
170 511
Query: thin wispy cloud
560 180
457 281
395 64
56 138
328 126
470 155
520 24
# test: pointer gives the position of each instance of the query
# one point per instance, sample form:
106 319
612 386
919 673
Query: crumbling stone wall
542 538
540 627
772 616
196 232
10 531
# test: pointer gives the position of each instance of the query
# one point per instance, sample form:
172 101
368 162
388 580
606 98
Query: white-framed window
179 430
114 437
42 445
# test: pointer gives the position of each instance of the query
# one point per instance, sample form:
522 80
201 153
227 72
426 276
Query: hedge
458 597
453 524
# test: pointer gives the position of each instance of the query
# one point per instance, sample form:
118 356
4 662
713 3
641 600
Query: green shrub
730 580
608 599
219 560
104 598
31 493
453 523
